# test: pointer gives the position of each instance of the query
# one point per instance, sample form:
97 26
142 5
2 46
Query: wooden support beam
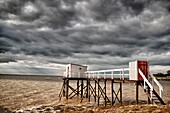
87 90
79 92
102 92
81 88
98 101
116 95
137 92
67 89
105 95
61 92
88 82
95 82
112 89
64 84
121 93
77 87
74 90
92 91
149 100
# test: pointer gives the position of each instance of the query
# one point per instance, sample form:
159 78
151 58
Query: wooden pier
94 86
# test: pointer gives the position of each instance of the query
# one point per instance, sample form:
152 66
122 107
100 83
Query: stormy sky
100 33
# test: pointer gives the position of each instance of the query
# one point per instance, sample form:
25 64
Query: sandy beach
42 96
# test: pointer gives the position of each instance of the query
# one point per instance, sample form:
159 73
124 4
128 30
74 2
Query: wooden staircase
153 96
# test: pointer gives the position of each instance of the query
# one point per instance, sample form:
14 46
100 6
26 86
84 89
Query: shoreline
91 108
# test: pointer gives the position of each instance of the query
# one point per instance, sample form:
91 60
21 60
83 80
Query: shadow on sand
4 110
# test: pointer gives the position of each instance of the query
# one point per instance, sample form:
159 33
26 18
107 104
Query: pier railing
146 82
155 81
111 73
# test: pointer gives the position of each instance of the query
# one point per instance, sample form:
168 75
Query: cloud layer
100 33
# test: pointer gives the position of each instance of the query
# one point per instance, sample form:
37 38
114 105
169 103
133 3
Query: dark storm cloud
97 32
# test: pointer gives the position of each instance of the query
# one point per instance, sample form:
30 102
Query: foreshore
92 108
33 96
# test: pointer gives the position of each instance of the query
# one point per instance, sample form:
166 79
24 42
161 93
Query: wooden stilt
64 84
67 88
121 93
105 92
112 88
95 93
149 101
98 101
77 87
137 92
87 90
81 88
88 81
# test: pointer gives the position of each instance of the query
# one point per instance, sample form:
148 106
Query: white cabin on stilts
75 71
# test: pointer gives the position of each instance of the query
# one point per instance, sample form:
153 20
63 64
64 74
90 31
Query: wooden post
88 81
81 88
105 92
95 93
64 84
137 92
67 89
87 89
149 101
121 93
112 91
77 87
98 93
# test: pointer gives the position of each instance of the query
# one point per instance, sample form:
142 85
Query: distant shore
163 78
49 77
31 77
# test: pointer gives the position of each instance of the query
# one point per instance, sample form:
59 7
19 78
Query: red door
143 66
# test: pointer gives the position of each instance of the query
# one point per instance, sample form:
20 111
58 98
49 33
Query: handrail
146 80
157 83
108 73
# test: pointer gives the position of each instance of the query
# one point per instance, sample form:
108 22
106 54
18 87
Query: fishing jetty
93 85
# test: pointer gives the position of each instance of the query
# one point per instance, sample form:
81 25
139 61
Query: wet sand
16 95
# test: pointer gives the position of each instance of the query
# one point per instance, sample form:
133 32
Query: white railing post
112 73
120 73
123 73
